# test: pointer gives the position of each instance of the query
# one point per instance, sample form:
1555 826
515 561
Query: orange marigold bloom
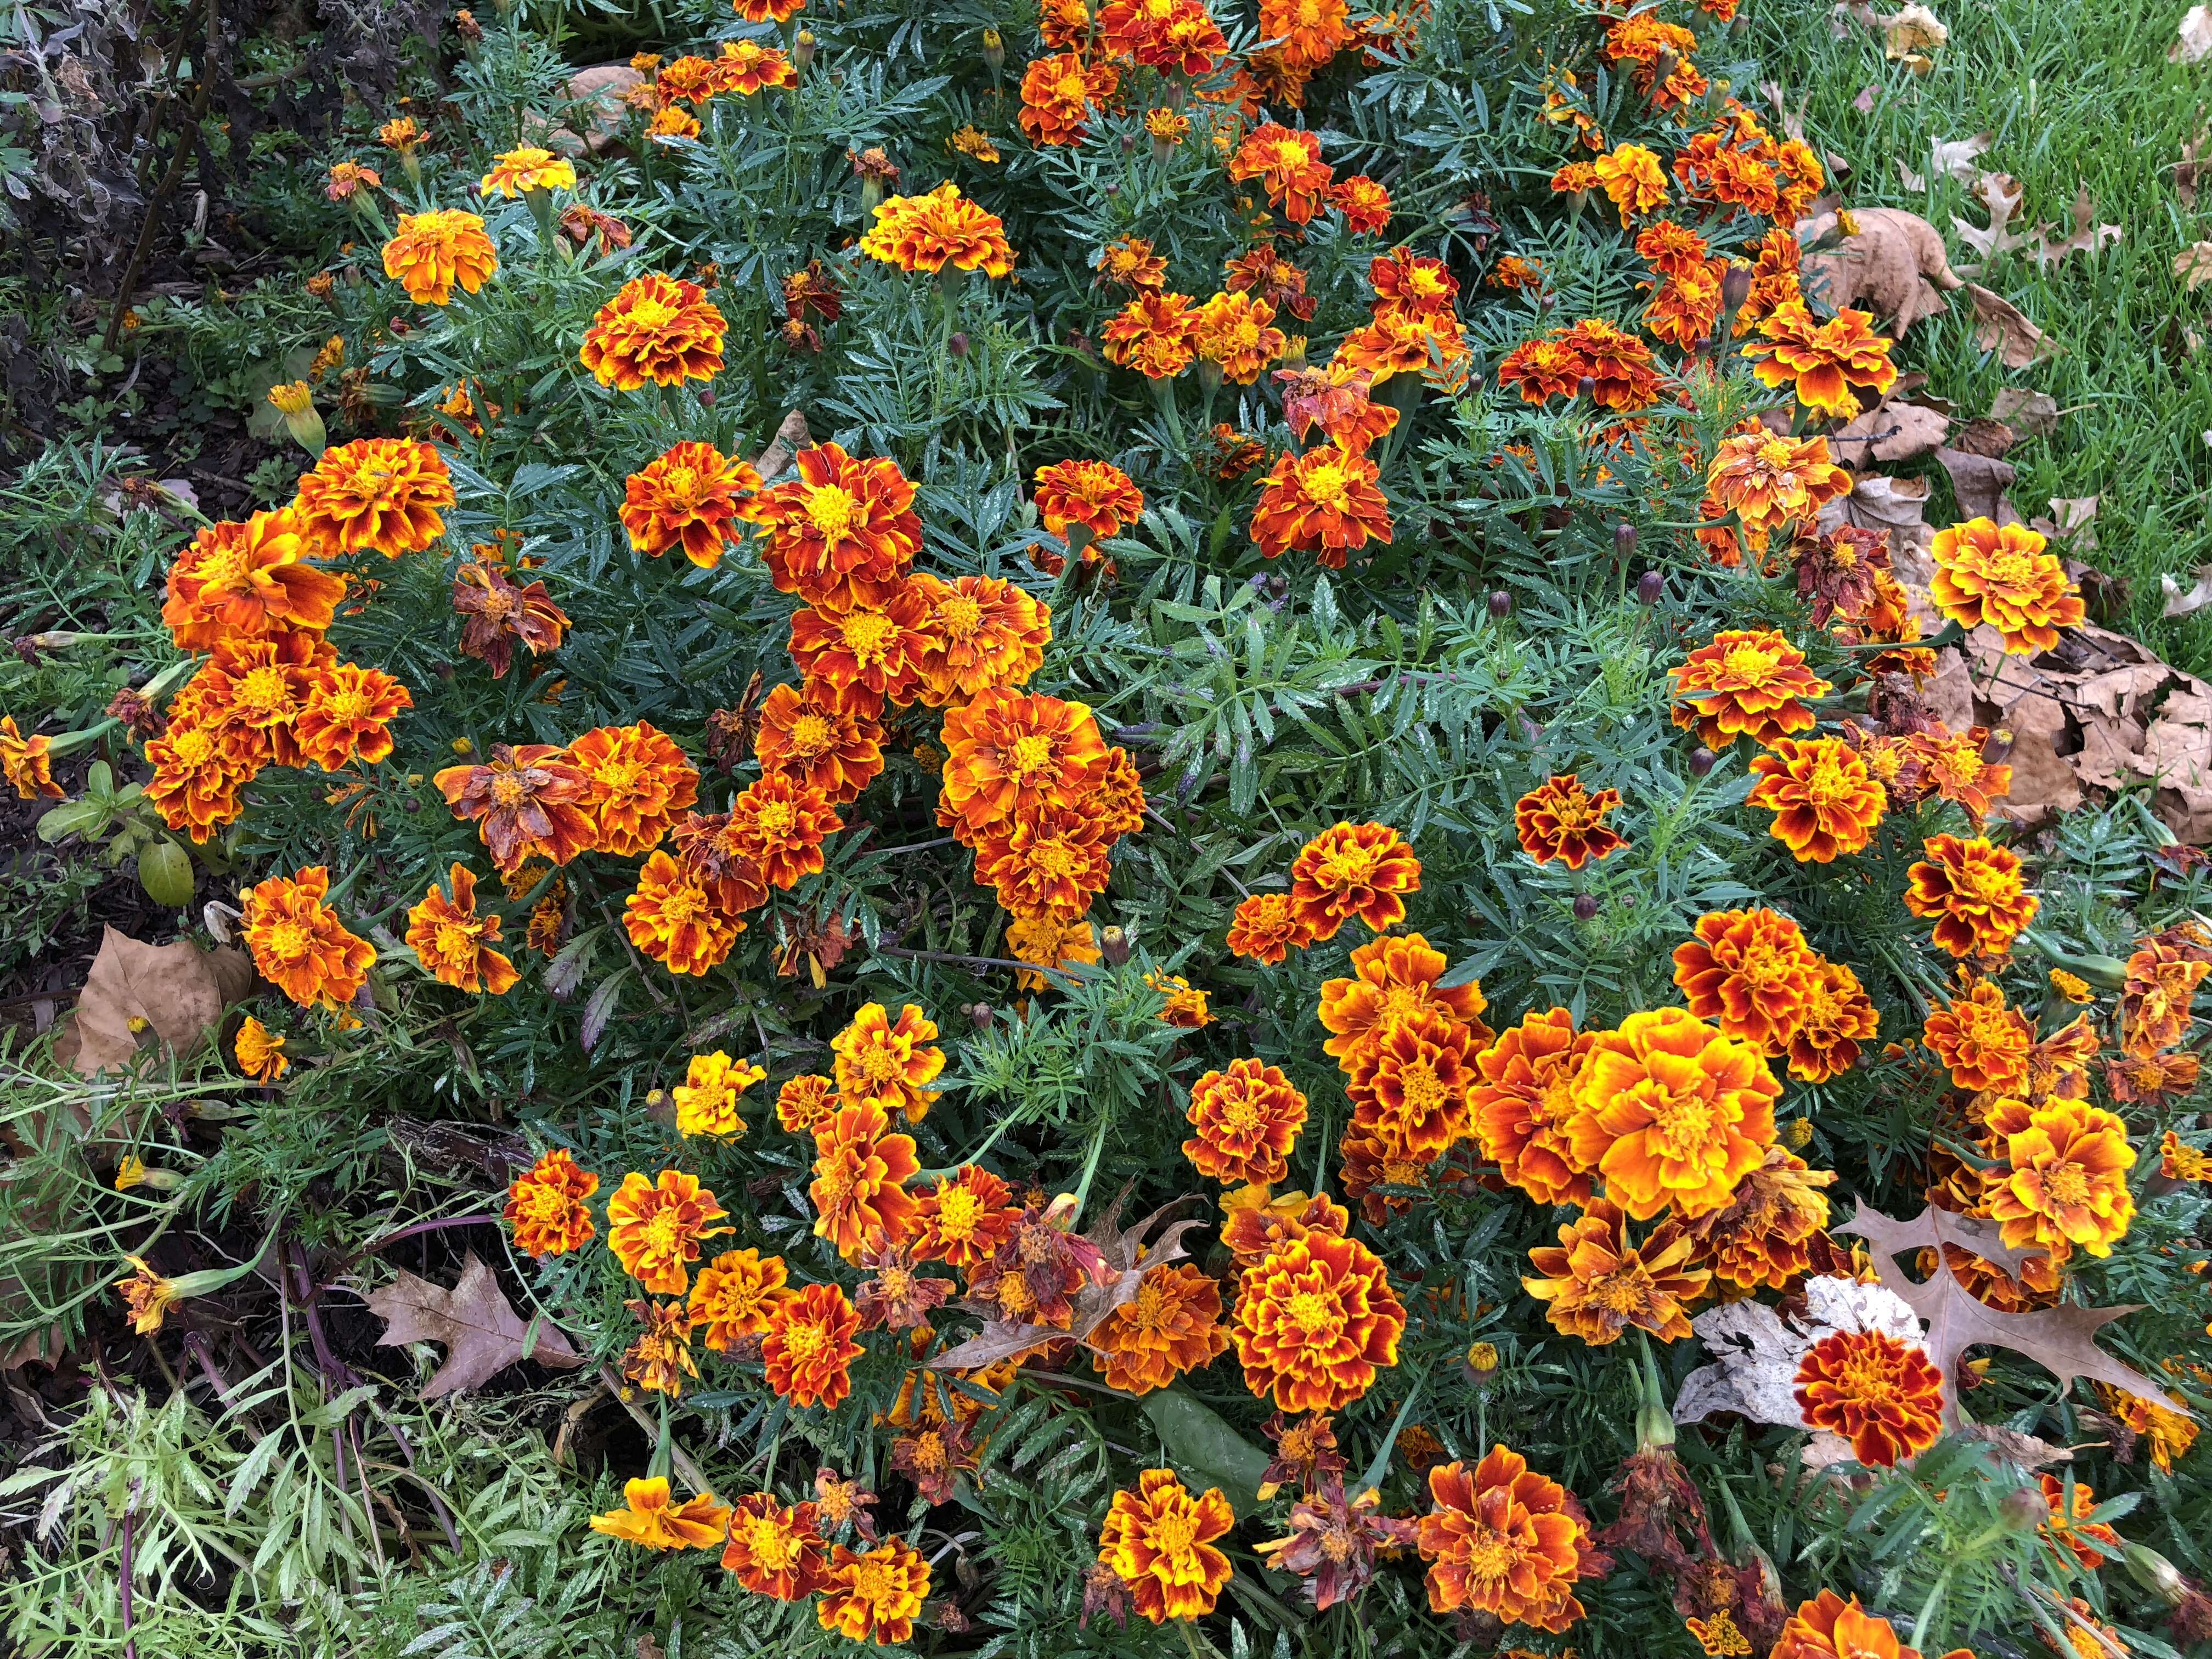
1632 181
654 1227
737 1295
859 1203
1234 331
2067 1529
776 1548
746 66
1172 1325
965 1218
1827 364
1131 262
1394 978
381 493
2163 974
2001 575
1983 1043
1046 861
2067 1180
1288 165
1246 1117
1365 204
1156 334
198 772
298 942
689 79
636 780
1824 800
27 764
545 1205
1669 1111
1763 1236
1751 973
1560 819
1158 1541
348 716
844 532
652 1523
1521 1101
1049 941
1838 1016
528 800
1008 753
1880 1393
433 253
1315 1320
707 1099
1412 284
1056 98
1264 929
1671 250
656 328
260 1052
866 655
254 691
673 917
806 1102
981 632
1772 481
671 122
819 745
1409 1090
780 824
1349 870
690 497
520 171
1185 1004
1599 1284
1311 31
809 1349
928 233
1096 494
1336 399
882 1064
1975 891
454 944
245 580
1745 682
1504 1540
1325 501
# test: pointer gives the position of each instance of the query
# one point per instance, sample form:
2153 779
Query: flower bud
1481 1362
1701 761
1209 376
802 49
2024 1507
994 50
1650 586
297 406
1585 907
957 345
1586 386
707 397
1623 543
1128 142
1501 604
980 1016
1735 286
2156 1574
1799 1135
1114 945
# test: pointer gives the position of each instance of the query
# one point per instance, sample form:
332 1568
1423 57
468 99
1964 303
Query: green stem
1164 396
1090 1166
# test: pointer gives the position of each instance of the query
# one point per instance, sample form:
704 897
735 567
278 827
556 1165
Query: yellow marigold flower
147 1296
28 762
2066 1182
1745 683
656 328
648 1520
432 253
673 122
887 1064
2001 575
874 1597
454 944
1247 1120
1234 331
971 140
1158 1541
660 1359
928 233
707 1099
1772 481
520 171
2074 989
545 1205
260 1052
1763 1236
1172 1325
1632 181
380 493
1827 365
636 779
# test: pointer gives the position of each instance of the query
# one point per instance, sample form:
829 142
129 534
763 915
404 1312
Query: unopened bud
1128 142
2024 1507
1482 1360
1586 386
1114 945
1501 604
979 1015
1623 543
1649 586
1585 907
707 398
957 345
1209 376
297 406
1799 1135
2156 1574
1735 286
1701 761
994 50
802 49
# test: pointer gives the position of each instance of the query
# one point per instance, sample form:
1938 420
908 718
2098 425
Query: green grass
2076 94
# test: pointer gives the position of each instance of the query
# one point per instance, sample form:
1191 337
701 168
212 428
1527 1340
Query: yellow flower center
347 706
264 692
1239 1118
289 941
679 906
618 777
879 1063
1174 1533
1683 1122
226 567
1030 754
1776 454
2066 1186
1750 663
649 315
1424 1090
1344 866
457 940
867 635
1072 89
802 1343
1290 155
508 791
776 819
928 1455
897 1284
832 511
773 1547
813 735
192 746
1828 785
959 618
1624 1290
1555 1101
958 1214
2010 570
663 1232
1314 1313
1326 485
1492 1557
1055 858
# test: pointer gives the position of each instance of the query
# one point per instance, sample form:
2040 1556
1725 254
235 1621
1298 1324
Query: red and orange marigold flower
348 716
379 493
636 779
1745 683
1502 1540
736 1296
1521 1101
245 580
1236 332
888 1063
1362 870
1156 334
690 497
545 1205
817 745
675 917
776 1548
501 615
861 1202
1828 1627
1877 1392
1288 167
1770 483
1315 1320
453 943
1838 1018
1057 93
2063 1179
656 328
780 824
1764 1238
1172 1325
1246 1119
1007 752
1326 501
1828 366
1599 1284
808 1349
2001 575
965 1218
1158 1541
844 532
1751 973
1409 1089
928 233
867 654
1824 800
1975 891
1560 819
655 1227
1097 495
980 632
431 254
1264 930
298 942
1392 978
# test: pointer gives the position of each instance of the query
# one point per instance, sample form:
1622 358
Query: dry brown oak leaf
481 1332
2058 1338
1895 266
174 992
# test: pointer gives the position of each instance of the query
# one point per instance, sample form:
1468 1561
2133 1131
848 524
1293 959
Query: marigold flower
198 772
1827 365
1560 819
545 1205
1247 1119
636 780
2066 1182
844 532
659 1357
809 1349
888 1065
672 122
1336 399
736 1296
817 745
1264 930
867 654
928 233
1365 204
502 614
1046 861
1392 978
656 328
1543 368
1750 972
1409 1089
1745 682
1131 262
1772 481
2166 1426
690 497
381 493
858 1166
1763 1236
1172 1325
1158 1541
298 942
652 1523
1670 1111
980 632
1056 97
1824 800
2162 975
1632 181
433 253
28 762
1432 344
517 172
1185 40
1315 1320
965 1218
528 801
245 580
348 716
768 11
1875 1391
1049 941
2003 577
707 1099
1234 331
804 1102
259 1051
715 854
1975 892
1186 1005
1156 334
690 79
1983 1043
2088 1541
454 944
654 1227
675 918
776 1548
781 825
1837 1017
744 67
1326 502
1521 1100
1288 165
1599 1284
1504 1540
1351 870
1008 753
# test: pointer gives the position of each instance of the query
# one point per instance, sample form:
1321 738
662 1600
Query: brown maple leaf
481 1332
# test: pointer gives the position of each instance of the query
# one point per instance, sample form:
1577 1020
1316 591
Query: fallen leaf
138 993
1846 13
2001 327
2193 40
790 437
1793 120
1985 436
481 1332
1980 482
2071 517
2178 603
1915 31
1878 501
1893 431
2193 264
2187 170
1896 262
2089 237
2034 413
1865 102
2000 194
1908 178
1959 158
2024 1450
2058 1338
